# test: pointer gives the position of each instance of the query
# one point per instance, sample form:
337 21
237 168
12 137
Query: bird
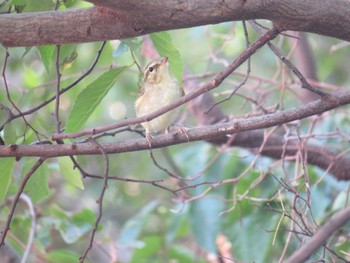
159 88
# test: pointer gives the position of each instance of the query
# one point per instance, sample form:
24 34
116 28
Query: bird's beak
164 61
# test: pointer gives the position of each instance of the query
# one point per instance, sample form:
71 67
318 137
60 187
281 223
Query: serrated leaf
6 169
162 42
72 175
205 221
90 98
46 55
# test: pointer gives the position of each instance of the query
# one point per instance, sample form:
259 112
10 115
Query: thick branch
195 134
123 19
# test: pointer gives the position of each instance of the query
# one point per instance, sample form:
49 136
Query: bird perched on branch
159 89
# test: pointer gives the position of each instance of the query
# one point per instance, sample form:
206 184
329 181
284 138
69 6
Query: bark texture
118 19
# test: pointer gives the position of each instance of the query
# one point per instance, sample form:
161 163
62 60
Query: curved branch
339 167
321 236
118 19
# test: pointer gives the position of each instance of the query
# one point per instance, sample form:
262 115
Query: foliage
143 222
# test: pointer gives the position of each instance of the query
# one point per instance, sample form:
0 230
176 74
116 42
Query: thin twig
215 82
87 72
290 65
321 236
245 78
58 84
12 116
24 181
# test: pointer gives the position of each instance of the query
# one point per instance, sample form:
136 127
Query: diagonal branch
218 79
321 236
14 203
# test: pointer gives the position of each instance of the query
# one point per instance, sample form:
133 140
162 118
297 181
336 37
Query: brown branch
321 236
215 82
290 65
276 147
118 19
339 166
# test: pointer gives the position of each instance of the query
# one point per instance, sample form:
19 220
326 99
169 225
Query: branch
217 131
275 146
321 236
118 19
14 203
214 83
100 198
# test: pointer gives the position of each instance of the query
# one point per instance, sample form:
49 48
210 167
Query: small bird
159 89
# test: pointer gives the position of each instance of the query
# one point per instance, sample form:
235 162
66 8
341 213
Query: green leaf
61 255
133 227
162 42
37 187
152 246
6 168
70 60
10 136
86 216
71 232
182 254
90 98
46 55
72 175
205 221
177 223
250 237
37 6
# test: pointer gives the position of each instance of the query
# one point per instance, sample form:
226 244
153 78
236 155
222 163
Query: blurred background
241 221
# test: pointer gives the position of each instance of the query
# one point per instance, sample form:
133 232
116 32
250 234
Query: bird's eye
150 69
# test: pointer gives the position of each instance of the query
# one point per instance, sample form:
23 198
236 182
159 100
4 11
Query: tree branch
118 19
321 236
338 166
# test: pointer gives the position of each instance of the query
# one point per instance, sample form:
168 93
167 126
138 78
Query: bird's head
156 71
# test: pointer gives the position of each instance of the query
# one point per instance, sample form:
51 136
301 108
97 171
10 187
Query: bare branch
100 199
215 82
25 179
320 237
